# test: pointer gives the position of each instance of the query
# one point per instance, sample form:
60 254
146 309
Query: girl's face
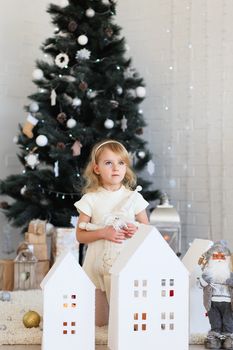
111 169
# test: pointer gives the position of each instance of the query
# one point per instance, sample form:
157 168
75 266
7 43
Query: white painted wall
184 50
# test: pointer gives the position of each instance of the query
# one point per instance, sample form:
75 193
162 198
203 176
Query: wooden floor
98 347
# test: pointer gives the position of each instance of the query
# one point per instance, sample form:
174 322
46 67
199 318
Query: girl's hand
130 230
112 235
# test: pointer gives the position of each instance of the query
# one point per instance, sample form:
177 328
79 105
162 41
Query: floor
98 347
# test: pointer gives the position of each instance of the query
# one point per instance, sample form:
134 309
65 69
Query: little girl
109 211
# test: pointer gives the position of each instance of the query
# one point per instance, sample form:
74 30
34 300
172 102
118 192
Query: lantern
166 219
25 265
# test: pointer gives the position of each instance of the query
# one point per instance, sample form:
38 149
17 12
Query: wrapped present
34 238
40 251
25 270
42 268
6 274
64 239
38 227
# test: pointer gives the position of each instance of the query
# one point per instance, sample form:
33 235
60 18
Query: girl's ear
96 169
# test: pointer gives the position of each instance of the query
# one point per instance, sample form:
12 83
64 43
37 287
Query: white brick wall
184 51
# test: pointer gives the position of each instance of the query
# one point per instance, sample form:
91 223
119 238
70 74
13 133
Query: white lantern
41 140
38 74
82 39
166 219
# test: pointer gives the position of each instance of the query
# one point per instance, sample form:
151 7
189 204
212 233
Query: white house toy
68 306
198 322
149 296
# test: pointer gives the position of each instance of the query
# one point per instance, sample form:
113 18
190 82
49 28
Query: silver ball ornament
34 107
41 140
38 74
109 123
82 40
71 123
90 13
140 91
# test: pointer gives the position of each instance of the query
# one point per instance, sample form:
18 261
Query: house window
166 287
140 321
70 301
140 288
166 323
69 327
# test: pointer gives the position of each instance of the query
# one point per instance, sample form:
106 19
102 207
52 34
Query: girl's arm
108 233
142 217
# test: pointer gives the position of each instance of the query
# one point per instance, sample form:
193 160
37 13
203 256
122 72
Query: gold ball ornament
31 319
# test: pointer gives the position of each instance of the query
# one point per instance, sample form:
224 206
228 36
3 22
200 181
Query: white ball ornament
141 154
140 91
82 39
34 107
109 123
90 13
23 190
64 3
119 90
71 123
41 140
76 102
105 2
38 74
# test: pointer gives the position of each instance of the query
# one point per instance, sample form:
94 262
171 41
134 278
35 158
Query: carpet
12 329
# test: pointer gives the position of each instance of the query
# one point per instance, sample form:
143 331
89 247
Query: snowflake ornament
83 54
32 160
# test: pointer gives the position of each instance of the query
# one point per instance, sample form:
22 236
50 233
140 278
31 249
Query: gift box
6 274
40 251
42 268
38 227
35 238
64 239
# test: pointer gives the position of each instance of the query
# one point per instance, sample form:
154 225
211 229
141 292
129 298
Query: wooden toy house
149 296
198 320
68 306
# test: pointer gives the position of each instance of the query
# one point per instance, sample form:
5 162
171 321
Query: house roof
146 236
72 263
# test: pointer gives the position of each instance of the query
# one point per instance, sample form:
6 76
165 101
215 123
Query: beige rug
12 329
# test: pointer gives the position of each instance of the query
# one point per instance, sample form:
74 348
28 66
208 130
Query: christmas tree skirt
12 329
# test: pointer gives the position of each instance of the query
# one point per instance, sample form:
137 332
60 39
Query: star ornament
83 55
32 160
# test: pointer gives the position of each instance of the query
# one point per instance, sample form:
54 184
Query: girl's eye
121 163
108 163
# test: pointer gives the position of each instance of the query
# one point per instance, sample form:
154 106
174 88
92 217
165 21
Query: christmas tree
87 91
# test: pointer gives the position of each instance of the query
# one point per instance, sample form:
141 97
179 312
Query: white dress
101 206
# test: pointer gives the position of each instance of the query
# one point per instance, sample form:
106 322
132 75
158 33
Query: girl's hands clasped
115 236
131 230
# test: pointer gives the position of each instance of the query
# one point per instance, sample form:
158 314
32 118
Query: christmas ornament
23 190
151 167
53 97
56 169
61 118
83 54
62 60
41 140
82 40
64 3
31 319
114 103
119 90
4 205
141 154
140 91
61 145
90 13
83 86
76 102
29 125
5 296
76 148
15 139
34 107
91 94
109 123
32 160
140 111
71 123
105 2
72 26
139 131
109 32
131 92
38 74
123 123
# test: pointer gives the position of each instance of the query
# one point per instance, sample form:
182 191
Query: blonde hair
93 181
